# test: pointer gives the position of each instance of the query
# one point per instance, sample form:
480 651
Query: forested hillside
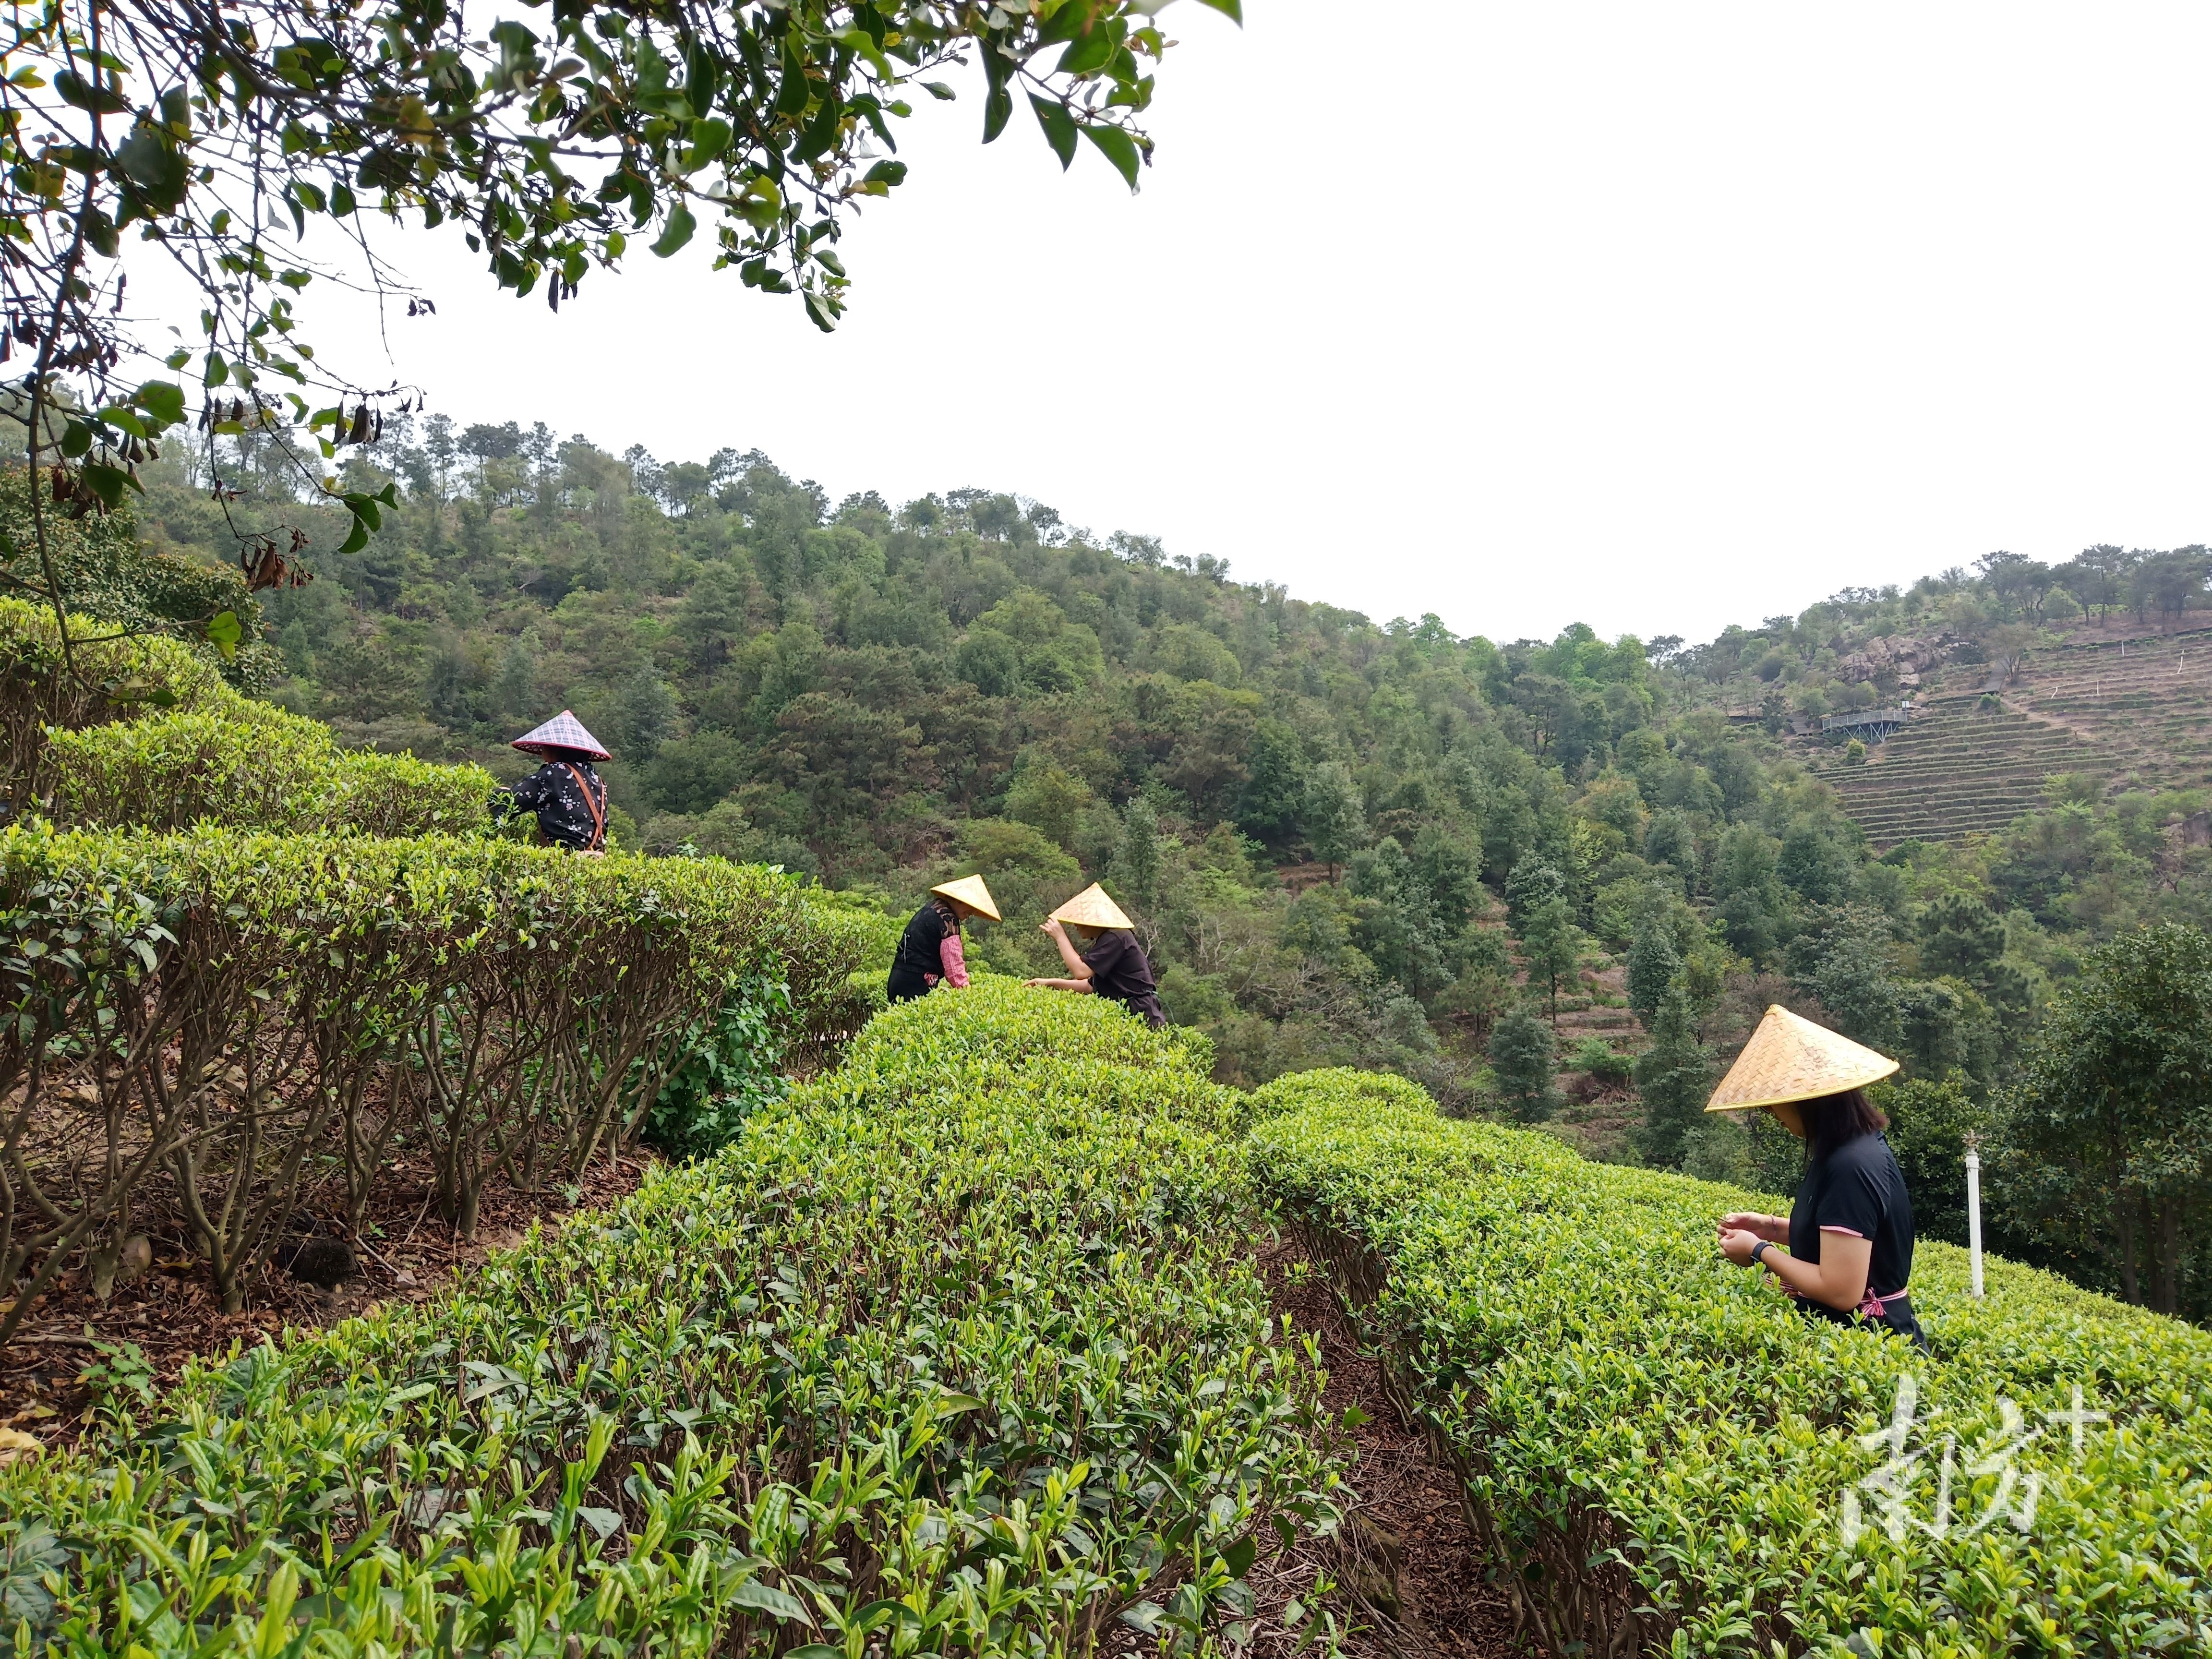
1554 879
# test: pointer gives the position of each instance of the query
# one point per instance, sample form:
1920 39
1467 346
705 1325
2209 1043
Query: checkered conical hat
1091 908
1789 1059
563 731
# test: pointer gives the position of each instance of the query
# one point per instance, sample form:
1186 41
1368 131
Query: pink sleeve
956 963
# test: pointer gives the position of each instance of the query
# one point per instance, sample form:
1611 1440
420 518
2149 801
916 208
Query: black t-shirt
1858 1189
1119 970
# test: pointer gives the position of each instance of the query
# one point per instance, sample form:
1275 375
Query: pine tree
1674 1077
1652 961
1523 1058
1532 881
1550 947
1334 819
1137 859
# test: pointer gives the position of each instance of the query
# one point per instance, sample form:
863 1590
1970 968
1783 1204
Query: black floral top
570 800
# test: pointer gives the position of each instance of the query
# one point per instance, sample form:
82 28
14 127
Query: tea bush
1665 1456
955 1351
1340 1085
252 767
117 677
219 1023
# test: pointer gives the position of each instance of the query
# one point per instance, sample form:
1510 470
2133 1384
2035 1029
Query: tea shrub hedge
1666 1457
252 767
1338 1086
953 1351
117 677
219 1023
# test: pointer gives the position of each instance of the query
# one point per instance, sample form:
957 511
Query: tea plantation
960 1349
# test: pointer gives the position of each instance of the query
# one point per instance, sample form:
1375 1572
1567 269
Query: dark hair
948 909
1833 1119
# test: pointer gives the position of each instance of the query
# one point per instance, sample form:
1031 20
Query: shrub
252 767
1338 1086
1662 1455
1601 1060
217 1022
116 677
953 1352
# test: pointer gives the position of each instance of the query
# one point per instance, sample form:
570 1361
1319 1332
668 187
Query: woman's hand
1737 1245
1053 928
1775 1229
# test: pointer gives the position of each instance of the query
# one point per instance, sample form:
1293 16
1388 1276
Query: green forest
1553 880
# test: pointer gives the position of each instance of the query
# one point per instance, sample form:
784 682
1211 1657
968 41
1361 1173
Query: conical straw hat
1789 1060
1091 908
970 891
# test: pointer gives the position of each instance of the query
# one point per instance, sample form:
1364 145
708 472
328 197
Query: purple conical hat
563 731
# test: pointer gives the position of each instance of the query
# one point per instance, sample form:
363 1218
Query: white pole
1974 1211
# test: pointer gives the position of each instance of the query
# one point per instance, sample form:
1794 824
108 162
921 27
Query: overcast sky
1657 317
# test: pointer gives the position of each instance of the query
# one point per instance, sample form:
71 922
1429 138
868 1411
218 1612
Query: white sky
1657 317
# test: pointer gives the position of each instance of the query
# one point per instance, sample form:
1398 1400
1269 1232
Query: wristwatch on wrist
1763 1244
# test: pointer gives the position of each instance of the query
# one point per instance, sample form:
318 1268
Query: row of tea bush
146 735
219 1026
957 1349
1660 1455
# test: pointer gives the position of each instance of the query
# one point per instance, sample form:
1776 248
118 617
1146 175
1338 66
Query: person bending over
1109 962
567 793
930 951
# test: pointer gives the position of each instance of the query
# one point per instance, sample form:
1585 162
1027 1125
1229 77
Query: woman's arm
953 959
1838 1279
1080 986
1775 1229
1076 965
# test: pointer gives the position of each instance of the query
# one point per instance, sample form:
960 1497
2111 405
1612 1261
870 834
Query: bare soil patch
1414 1582
403 1253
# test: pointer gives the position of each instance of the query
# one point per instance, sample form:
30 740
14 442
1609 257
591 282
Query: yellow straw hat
1091 908
1789 1060
970 891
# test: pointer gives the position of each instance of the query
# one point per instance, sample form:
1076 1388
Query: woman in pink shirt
931 951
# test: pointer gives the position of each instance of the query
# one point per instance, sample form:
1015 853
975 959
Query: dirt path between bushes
1414 1582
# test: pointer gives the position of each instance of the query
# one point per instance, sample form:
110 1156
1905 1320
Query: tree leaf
164 401
1059 126
155 165
939 91
766 1598
1239 1556
224 631
677 231
1117 146
1232 9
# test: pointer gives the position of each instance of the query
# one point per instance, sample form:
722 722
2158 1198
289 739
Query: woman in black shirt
1850 1234
930 950
1111 963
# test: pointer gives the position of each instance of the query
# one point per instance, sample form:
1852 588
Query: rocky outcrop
1906 657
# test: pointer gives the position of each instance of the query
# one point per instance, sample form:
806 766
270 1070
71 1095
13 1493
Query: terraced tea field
1955 770
2144 705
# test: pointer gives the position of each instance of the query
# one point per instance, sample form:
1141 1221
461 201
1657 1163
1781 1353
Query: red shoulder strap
592 801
